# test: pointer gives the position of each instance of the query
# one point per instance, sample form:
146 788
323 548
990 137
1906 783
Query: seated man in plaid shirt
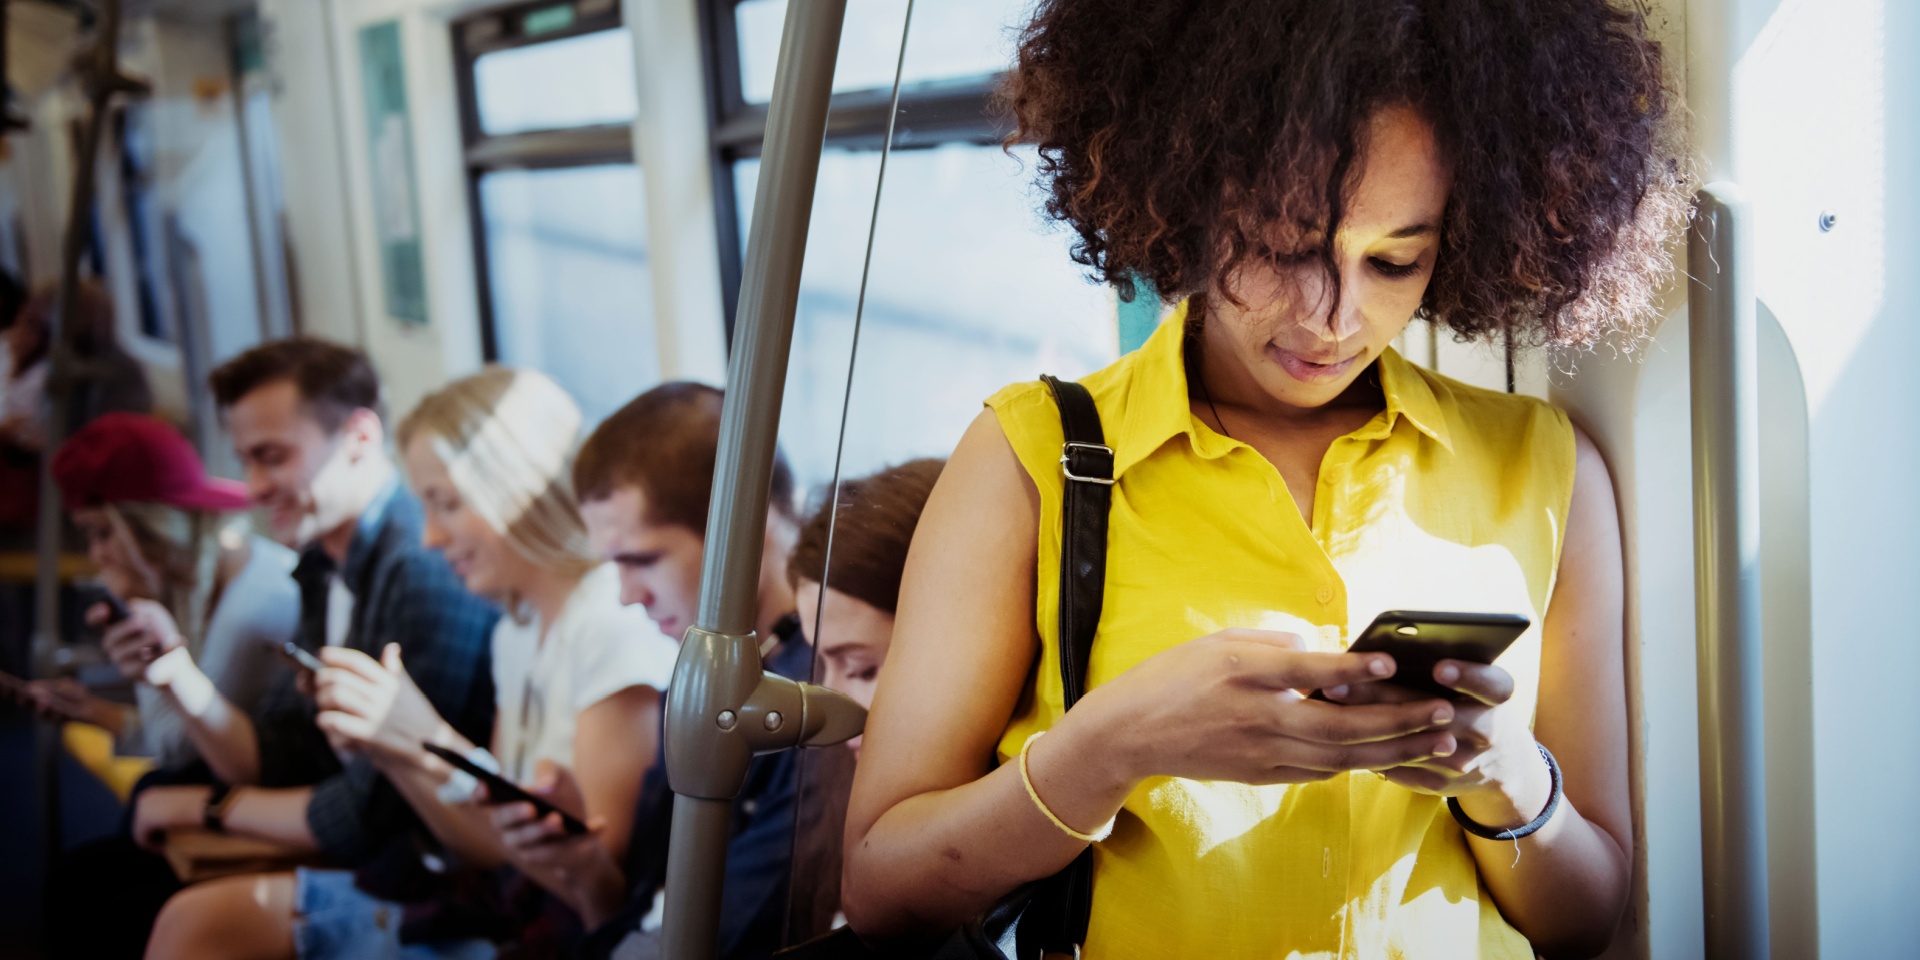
306 423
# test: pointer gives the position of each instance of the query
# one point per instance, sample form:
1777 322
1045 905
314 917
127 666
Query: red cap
122 457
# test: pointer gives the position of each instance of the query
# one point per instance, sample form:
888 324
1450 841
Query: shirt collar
1156 408
1409 393
366 535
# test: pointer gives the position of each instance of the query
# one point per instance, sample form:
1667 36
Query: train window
970 289
952 40
969 292
572 82
567 257
547 98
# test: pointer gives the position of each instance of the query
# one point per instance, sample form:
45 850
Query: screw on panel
726 719
1827 220
774 720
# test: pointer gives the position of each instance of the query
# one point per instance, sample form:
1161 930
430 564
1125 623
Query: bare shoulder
964 637
1592 485
985 472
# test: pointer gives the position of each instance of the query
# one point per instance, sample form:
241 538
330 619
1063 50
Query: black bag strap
1056 920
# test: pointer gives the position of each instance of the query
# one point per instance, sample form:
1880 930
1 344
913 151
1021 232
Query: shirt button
1325 595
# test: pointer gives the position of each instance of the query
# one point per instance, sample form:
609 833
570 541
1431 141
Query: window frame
931 115
504 28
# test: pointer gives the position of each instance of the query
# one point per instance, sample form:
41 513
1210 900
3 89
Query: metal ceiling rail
98 70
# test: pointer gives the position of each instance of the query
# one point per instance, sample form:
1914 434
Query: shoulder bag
1048 916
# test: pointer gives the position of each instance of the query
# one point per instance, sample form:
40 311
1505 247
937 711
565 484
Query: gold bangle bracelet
1104 831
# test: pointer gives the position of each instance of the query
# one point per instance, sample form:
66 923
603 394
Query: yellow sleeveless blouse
1452 498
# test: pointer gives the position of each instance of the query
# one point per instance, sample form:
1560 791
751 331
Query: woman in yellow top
1307 177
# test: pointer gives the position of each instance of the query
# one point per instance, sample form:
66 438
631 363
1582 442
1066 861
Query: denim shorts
335 920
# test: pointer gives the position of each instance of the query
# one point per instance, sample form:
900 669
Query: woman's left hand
1495 771
373 707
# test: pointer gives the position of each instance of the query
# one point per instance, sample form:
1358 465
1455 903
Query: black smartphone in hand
302 660
1418 639
502 790
96 592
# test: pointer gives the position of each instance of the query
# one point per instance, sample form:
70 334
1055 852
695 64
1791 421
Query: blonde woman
575 674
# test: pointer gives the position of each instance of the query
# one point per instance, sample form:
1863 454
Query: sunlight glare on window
971 290
952 40
572 289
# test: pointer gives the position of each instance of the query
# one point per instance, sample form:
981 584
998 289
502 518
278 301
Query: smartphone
300 657
502 790
1418 639
116 607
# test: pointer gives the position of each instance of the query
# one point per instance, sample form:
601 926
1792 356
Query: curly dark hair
1184 140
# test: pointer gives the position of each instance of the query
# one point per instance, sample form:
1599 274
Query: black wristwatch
214 817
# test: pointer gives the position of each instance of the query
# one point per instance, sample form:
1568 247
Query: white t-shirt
595 649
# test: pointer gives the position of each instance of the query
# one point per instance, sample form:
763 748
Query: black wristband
1524 830
214 816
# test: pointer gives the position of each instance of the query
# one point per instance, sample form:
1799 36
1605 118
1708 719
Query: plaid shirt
405 594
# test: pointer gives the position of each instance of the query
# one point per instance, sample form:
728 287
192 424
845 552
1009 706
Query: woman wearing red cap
209 605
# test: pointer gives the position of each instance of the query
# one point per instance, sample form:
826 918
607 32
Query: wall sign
395 194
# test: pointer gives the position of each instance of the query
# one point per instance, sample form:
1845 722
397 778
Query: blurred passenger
645 478
306 423
208 605
576 674
1306 178
108 380
868 538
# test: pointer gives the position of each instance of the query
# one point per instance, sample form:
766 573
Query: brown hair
665 443
871 534
334 380
1184 141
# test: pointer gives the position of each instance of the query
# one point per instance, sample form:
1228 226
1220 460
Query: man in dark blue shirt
644 479
306 423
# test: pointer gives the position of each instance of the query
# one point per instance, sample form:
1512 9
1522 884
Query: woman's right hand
134 643
1233 706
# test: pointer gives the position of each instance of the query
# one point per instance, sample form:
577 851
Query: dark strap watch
214 817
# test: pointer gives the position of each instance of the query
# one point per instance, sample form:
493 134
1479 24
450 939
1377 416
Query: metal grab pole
1721 313
100 74
721 708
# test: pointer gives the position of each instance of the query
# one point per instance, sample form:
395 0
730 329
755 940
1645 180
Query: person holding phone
308 425
575 674
645 480
201 602
1302 180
